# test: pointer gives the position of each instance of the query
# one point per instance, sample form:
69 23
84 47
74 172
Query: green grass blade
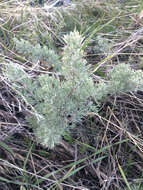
28 154
75 163
124 177
6 147
79 168
86 42
19 183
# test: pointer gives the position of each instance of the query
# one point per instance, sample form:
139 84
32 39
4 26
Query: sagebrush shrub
37 53
122 78
60 102
54 99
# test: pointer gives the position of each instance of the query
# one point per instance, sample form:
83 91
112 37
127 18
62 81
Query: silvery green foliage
58 102
120 79
37 53
124 79
103 45
45 95
75 68
101 91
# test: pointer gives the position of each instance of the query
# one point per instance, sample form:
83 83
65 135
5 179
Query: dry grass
88 157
